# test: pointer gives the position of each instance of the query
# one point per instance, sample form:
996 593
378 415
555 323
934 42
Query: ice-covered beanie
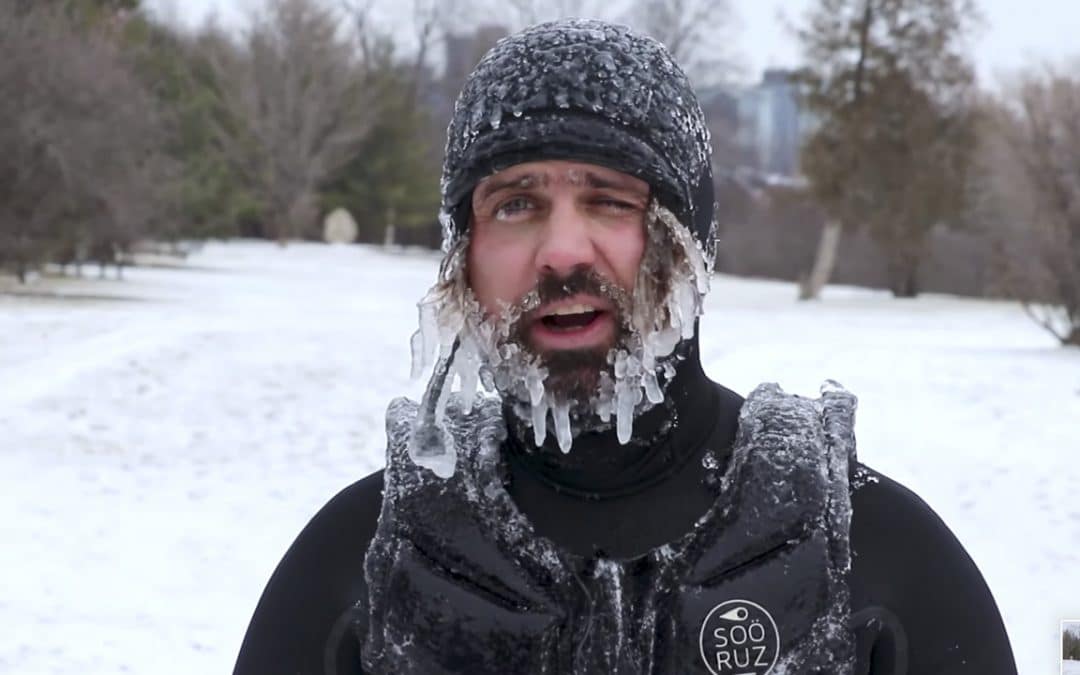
587 91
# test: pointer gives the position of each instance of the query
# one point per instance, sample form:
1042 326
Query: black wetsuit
919 604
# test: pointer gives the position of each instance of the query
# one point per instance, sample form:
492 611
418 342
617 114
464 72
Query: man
609 509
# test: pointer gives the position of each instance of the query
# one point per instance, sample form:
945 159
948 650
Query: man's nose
566 241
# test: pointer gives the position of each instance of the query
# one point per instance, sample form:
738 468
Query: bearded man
604 507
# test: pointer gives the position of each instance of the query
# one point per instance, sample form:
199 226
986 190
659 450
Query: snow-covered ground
1070 668
162 442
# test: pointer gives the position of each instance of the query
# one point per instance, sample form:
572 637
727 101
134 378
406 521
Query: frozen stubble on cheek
632 250
494 265
619 243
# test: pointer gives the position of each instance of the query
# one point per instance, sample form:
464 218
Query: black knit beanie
588 91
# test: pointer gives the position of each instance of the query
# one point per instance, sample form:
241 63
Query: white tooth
572 309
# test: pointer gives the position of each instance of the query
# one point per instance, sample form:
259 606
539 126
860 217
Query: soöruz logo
739 637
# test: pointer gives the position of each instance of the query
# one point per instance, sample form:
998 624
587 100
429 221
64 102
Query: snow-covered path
159 452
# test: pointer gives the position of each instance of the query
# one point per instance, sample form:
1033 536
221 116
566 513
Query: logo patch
739 637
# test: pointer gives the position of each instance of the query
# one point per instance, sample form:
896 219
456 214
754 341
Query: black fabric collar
599 467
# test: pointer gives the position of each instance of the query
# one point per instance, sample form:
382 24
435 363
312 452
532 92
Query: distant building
463 51
772 126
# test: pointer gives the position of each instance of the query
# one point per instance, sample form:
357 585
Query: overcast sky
1017 32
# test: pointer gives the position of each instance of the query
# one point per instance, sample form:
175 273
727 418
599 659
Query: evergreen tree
209 199
891 88
393 179
1070 643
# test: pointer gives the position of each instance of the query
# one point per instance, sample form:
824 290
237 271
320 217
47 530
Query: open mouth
562 323
572 325
571 318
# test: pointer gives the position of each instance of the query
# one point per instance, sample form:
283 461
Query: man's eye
615 205
513 207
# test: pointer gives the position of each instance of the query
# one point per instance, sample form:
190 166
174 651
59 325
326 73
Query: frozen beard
579 390
572 375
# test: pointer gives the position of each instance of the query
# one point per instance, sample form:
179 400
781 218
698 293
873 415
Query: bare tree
529 12
429 23
300 108
830 187
811 285
82 157
1032 160
698 33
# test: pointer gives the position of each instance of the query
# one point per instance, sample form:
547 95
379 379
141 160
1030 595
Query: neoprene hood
587 91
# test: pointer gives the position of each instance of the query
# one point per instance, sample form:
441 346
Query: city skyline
1015 34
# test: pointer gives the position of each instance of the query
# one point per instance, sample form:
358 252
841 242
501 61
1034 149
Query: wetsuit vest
458 581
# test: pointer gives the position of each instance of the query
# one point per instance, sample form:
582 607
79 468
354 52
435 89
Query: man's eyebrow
604 183
490 186
493 184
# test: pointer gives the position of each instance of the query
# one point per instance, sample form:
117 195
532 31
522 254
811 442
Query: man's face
574 233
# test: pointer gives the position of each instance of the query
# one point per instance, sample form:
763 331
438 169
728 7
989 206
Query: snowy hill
160 450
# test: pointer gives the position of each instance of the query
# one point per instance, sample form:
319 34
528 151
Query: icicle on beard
581 390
